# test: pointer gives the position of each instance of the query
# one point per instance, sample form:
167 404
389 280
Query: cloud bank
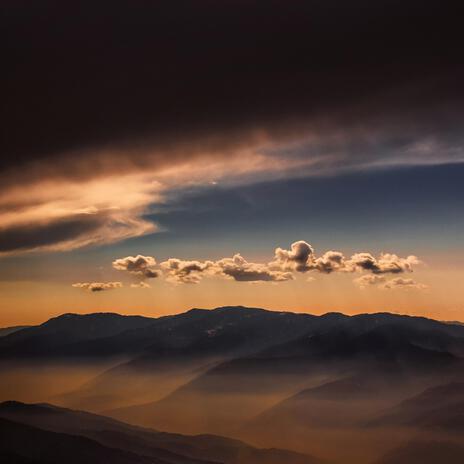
287 263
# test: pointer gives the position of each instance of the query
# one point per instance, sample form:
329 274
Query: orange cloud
97 286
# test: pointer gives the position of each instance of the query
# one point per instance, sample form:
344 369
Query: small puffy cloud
141 284
329 262
387 263
239 269
298 258
369 279
381 282
362 262
97 286
405 284
236 268
142 266
187 272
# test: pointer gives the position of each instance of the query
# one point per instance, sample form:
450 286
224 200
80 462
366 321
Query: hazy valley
292 388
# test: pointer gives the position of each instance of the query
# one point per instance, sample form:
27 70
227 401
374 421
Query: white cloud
330 261
142 266
186 272
369 279
141 285
239 269
387 263
298 258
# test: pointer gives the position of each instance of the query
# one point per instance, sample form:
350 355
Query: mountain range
348 389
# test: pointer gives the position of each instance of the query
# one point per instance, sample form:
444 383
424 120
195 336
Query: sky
159 156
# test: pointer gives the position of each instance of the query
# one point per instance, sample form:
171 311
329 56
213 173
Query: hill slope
172 448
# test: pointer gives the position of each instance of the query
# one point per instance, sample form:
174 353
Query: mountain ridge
69 315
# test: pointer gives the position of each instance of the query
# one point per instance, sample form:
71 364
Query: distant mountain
110 434
9 330
340 403
425 452
439 408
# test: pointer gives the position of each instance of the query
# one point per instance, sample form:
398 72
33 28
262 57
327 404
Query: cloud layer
287 263
188 78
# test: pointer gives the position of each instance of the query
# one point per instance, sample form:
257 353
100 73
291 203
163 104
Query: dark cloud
63 232
178 93
203 73
46 229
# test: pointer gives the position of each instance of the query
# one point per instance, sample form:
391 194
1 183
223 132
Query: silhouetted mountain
9 330
67 334
425 452
276 378
164 447
223 331
175 348
236 362
372 334
233 331
440 407
23 442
